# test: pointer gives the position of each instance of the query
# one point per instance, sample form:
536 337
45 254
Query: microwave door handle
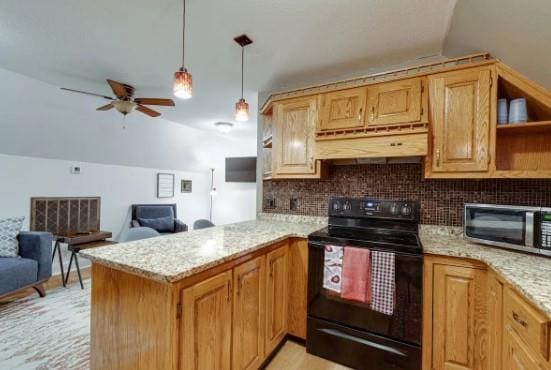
529 234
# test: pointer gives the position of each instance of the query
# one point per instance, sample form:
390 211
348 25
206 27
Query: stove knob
346 206
336 205
406 210
394 209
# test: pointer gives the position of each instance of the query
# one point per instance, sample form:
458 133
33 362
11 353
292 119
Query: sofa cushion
9 228
16 273
155 211
161 224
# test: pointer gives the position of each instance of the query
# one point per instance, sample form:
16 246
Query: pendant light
183 85
242 107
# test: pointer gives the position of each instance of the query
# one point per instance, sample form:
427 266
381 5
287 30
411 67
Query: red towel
356 275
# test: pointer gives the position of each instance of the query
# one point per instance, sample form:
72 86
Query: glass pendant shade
242 111
183 84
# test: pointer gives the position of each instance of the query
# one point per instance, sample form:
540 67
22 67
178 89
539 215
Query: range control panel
372 208
545 229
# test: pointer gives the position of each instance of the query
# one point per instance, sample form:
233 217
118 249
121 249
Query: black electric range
349 332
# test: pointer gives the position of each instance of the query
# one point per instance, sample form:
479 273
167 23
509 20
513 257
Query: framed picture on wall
185 186
165 185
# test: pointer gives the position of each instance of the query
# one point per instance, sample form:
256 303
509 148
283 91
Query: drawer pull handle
517 318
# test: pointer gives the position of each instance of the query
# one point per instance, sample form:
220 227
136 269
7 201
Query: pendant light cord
184 36
242 68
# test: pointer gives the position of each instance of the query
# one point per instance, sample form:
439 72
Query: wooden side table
76 242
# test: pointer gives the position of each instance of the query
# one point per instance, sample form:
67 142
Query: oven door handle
318 244
369 343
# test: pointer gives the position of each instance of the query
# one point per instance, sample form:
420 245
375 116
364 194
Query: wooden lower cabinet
248 314
473 319
297 287
276 297
459 332
495 321
207 324
517 355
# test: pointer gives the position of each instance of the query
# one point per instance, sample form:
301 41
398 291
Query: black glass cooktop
395 240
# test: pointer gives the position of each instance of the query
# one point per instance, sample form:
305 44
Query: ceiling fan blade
106 107
87 93
121 90
155 101
146 110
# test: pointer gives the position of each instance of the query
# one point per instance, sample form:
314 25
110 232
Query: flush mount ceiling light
242 107
183 85
224 127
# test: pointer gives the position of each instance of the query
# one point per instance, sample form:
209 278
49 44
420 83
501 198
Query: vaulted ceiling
78 44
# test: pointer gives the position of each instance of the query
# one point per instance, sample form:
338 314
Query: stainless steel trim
499 206
529 230
500 244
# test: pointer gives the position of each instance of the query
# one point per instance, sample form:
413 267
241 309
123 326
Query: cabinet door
248 315
516 355
293 137
495 322
342 109
205 342
460 117
459 318
298 287
395 102
276 298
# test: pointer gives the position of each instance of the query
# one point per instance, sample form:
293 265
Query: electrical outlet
75 170
294 204
270 203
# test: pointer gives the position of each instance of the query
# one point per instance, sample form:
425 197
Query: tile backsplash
441 200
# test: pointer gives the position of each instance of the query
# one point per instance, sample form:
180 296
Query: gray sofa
33 266
159 217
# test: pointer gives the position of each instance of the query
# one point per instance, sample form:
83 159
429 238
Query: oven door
505 226
404 324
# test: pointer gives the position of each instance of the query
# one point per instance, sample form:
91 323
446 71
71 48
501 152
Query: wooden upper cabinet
206 325
459 332
397 102
460 118
342 109
248 315
294 127
276 297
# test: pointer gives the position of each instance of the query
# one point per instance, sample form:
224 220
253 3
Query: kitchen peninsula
170 302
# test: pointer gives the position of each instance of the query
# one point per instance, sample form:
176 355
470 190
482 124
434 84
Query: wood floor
293 356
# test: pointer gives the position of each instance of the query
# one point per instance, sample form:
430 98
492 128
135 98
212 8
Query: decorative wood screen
65 215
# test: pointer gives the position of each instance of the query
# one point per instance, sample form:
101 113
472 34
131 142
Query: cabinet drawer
530 324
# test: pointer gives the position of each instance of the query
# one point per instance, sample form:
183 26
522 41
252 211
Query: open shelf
524 128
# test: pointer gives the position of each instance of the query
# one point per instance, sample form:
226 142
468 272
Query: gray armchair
32 268
160 217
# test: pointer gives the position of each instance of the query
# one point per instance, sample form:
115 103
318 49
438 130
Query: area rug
47 333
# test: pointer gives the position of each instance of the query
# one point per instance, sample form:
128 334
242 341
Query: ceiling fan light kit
242 107
183 83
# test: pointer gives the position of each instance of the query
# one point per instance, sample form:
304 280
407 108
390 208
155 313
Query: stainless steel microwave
526 229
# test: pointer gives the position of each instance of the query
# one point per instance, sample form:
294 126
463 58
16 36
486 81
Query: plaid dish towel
382 282
332 268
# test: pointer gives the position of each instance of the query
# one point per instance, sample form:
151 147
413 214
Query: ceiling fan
125 101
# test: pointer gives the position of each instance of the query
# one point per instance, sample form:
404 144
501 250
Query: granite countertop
173 257
530 274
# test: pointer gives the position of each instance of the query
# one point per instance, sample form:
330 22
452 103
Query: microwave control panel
545 229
